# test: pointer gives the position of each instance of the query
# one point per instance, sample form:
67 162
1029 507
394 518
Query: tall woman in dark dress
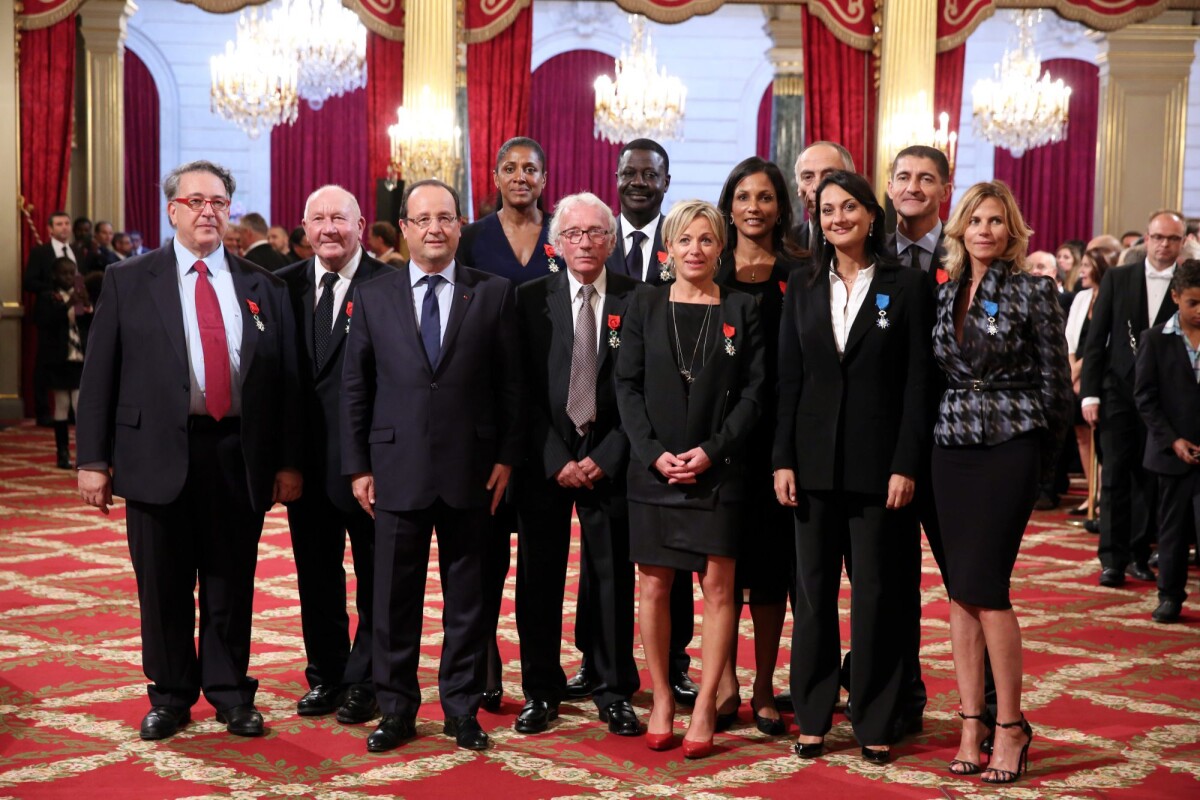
999 340
689 387
854 369
511 242
758 258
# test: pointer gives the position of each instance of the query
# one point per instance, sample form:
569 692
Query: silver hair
318 190
585 199
170 182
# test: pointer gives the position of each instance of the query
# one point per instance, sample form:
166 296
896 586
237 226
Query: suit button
727 461
433 386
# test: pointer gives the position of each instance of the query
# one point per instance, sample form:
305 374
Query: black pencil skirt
984 497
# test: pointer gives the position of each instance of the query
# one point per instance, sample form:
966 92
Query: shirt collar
256 244
1169 272
185 259
627 228
600 284
928 242
1173 325
346 272
415 273
865 272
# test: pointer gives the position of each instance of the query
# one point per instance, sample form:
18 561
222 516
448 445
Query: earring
870 228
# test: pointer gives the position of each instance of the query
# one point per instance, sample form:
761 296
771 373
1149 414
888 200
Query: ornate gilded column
10 223
102 23
906 80
787 90
1143 120
430 66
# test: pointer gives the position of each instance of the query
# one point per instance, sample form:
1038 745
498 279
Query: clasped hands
683 468
900 489
581 474
362 485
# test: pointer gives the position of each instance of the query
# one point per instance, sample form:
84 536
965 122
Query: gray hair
847 159
342 189
581 199
170 182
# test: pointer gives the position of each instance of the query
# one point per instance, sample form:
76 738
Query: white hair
353 200
585 199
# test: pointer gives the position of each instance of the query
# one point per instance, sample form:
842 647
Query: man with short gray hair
256 247
813 164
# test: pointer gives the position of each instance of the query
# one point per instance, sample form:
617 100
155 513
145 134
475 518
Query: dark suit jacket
431 432
39 270
267 257
1168 398
851 423
939 255
1118 316
53 332
100 260
718 415
616 259
133 401
547 341
320 390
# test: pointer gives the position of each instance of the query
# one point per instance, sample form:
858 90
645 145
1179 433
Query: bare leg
1003 634
1083 440
654 619
768 627
967 641
716 640
729 692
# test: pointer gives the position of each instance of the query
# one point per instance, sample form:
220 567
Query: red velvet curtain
561 108
947 93
385 93
47 95
143 201
1055 184
498 89
839 97
326 146
762 146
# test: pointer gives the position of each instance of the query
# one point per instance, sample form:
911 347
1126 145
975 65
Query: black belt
992 386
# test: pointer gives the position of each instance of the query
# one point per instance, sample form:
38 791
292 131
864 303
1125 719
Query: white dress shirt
1158 282
1075 319
231 315
445 293
63 250
926 247
345 275
649 257
844 306
601 287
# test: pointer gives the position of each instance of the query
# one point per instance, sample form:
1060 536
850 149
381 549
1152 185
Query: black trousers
830 526
319 530
497 557
1179 516
402 540
683 620
209 533
1130 492
543 546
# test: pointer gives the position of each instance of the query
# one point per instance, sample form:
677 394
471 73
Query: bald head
334 226
815 162
1042 263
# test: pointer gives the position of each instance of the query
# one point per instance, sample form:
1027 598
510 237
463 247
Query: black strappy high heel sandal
1008 776
962 767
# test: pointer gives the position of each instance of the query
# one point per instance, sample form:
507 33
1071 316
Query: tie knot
638 237
200 267
433 281
329 279
586 291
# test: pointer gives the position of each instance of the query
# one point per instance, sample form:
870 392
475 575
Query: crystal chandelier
1018 110
253 85
329 44
425 141
642 101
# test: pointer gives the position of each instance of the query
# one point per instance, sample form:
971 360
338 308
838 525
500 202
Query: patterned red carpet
1114 697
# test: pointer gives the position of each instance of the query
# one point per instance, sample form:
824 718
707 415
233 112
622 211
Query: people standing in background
63 315
298 245
277 235
256 248
1095 263
39 279
382 240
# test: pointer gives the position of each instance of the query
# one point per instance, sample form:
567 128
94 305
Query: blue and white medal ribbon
881 302
990 307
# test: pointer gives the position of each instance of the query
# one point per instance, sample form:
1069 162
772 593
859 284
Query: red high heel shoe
694 749
660 741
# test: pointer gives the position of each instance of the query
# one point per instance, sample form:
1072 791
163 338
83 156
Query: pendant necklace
686 372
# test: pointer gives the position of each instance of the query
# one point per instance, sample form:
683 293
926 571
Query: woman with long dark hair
1094 264
853 428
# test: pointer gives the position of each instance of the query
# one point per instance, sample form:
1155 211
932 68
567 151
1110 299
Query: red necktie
217 398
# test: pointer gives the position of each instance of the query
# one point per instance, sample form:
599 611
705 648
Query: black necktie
323 319
914 261
431 319
633 259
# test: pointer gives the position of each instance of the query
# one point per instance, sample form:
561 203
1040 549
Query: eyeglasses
1158 238
219 204
443 220
575 235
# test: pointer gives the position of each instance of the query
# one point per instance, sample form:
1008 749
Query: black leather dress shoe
1140 572
621 719
359 706
536 716
1168 611
810 750
1112 577
876 756
392 731
466 732
684 689
163 721
1092 526
582 685
243 720
491 700
322 699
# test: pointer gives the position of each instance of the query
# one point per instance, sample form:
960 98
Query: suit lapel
558 299
819 312
366 270
164 288
1166 309
308 298
1139 318
245 284
464 292
868 314
614 304
402 301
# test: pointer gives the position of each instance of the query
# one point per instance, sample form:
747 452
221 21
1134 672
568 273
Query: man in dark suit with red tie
430 419
577 454
188 410
339 668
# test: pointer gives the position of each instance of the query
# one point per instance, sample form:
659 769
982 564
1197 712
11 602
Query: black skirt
682 538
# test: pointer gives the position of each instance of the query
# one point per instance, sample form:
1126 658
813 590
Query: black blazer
939 255
39 270
320 390
133 401
1118 316
851 423
547 340
267 257
1168 398
53 331
424 432
718 415
616 259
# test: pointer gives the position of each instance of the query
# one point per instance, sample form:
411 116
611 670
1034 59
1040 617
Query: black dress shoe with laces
466 732
1168 611
243 720
359 706
163 721
536 716
1112 577
322 699
491 700
393 730
621 719
684 689
582 684
1140 572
